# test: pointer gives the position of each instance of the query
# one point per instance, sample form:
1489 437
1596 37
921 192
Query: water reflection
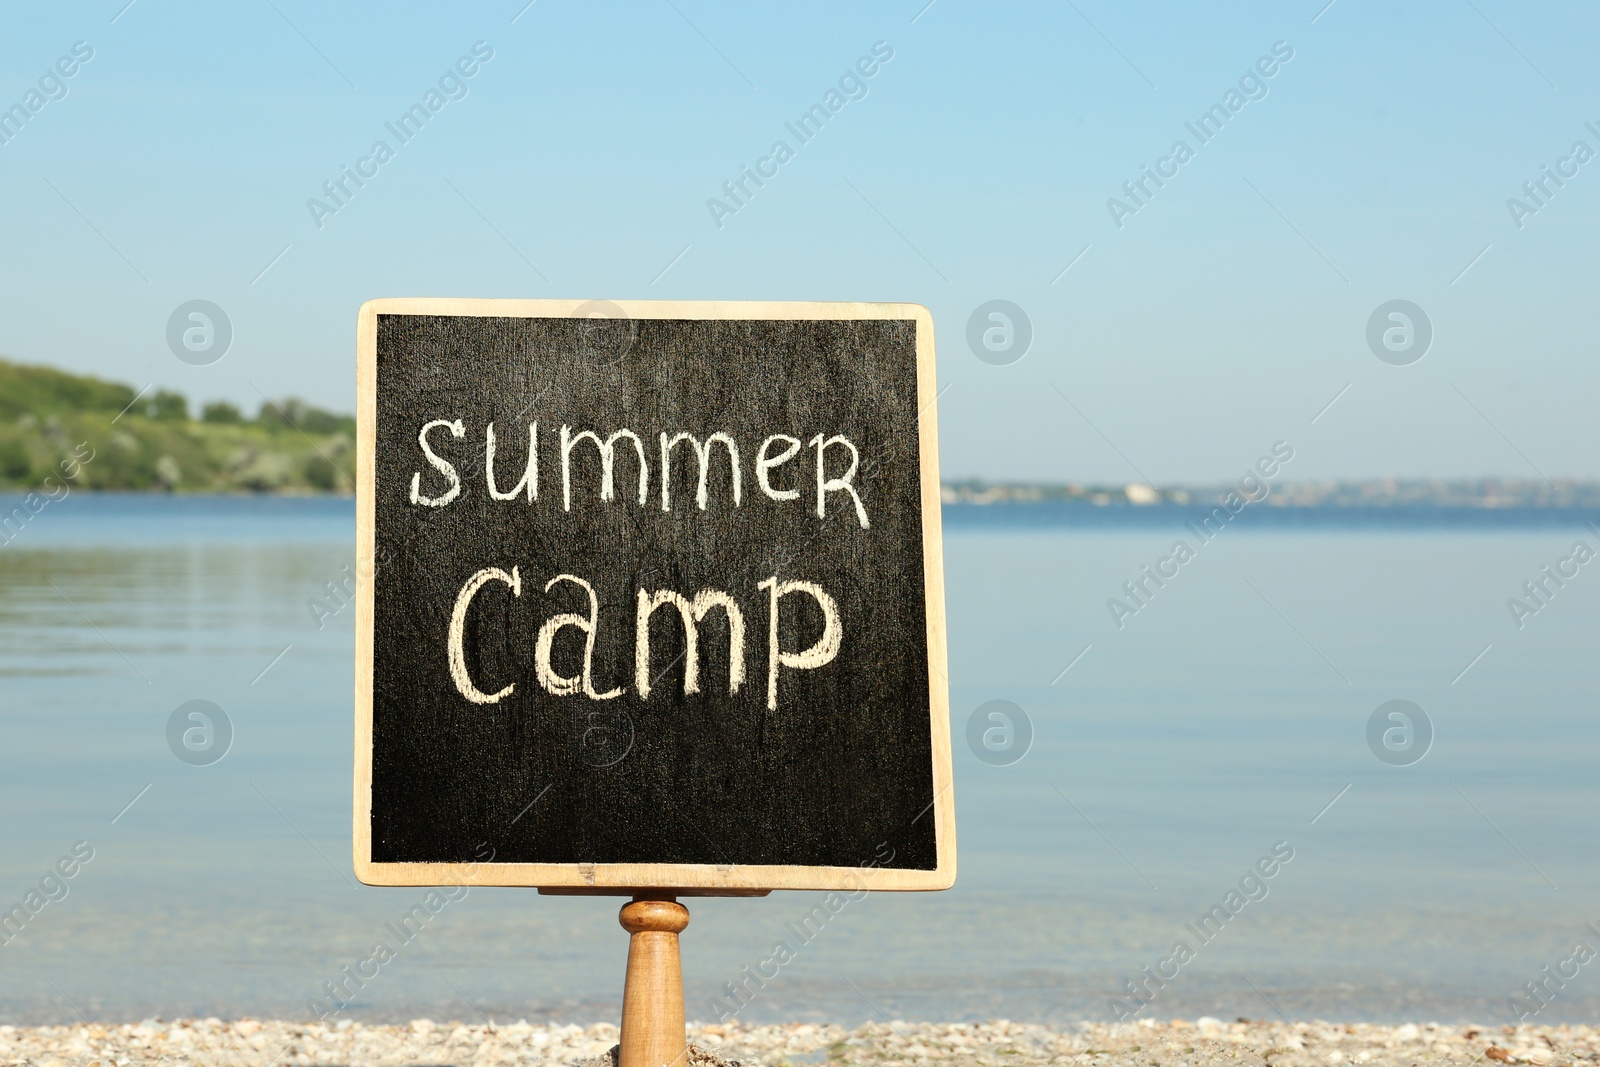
1189 742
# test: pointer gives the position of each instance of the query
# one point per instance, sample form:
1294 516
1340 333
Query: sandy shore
255 1043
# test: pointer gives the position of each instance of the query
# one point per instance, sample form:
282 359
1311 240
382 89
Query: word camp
691 611
442 484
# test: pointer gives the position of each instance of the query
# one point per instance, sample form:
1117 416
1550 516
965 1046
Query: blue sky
1221 317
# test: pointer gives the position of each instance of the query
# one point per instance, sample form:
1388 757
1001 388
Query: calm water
1220 719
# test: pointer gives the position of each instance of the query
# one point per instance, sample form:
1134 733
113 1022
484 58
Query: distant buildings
1387 492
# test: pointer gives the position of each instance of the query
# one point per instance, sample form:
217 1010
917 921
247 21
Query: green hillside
159 444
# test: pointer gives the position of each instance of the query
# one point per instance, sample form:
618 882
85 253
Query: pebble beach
257 1043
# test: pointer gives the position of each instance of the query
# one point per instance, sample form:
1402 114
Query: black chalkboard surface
651 596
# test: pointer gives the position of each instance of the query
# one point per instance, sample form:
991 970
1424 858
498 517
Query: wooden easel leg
652 996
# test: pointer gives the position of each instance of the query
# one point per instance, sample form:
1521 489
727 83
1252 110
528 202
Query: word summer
822 652
443 485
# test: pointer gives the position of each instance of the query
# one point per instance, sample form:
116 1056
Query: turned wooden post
652 996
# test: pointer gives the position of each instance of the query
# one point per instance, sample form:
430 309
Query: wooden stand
653 1033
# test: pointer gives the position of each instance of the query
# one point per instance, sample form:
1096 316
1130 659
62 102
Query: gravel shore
256 1043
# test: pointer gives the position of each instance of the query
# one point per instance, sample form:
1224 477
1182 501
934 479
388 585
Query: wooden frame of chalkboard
399 852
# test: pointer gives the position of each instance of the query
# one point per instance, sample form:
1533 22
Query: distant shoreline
1484 493
67 432
1576 497
111 511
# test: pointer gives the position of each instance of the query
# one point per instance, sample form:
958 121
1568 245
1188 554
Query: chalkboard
651 595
